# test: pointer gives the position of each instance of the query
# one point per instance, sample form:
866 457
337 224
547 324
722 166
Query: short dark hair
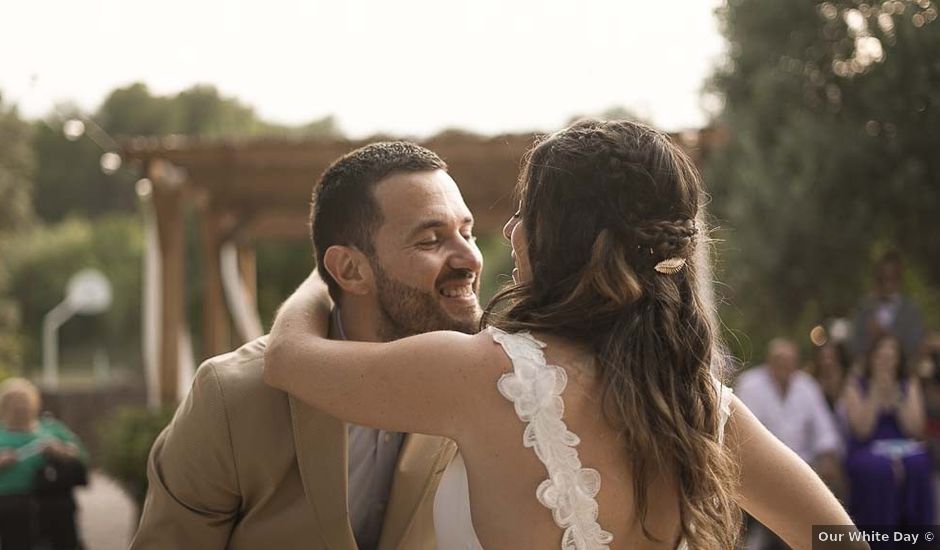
344 211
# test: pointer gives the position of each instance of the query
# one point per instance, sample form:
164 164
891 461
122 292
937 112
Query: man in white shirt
790 403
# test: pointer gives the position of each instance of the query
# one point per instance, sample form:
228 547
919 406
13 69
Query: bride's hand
778 488
305 314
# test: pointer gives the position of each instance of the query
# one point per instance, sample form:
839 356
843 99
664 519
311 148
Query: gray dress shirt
373 455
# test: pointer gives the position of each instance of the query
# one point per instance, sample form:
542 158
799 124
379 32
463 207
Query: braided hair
603 203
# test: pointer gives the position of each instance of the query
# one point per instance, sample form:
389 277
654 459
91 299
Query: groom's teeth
457 292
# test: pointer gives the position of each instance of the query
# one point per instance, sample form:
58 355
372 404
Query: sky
405 67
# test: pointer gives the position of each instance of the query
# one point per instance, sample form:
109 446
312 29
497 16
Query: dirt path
106 514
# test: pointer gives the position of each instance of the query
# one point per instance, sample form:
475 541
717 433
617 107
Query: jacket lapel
320 443
421 463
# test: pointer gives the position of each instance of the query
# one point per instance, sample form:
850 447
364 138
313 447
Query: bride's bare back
504 475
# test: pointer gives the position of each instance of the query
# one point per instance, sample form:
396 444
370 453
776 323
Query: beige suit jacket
244 466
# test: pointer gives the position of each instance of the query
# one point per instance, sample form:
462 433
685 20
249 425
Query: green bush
125 444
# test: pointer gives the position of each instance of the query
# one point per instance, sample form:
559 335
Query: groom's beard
405 311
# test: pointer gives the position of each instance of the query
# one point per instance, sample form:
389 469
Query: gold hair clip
670 266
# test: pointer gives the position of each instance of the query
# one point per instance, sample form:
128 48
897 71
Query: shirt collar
337 321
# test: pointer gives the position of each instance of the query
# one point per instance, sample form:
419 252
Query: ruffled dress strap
725 395
535 388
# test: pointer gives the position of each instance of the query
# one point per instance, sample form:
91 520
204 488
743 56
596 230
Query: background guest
887 464
791 405
830 366
30 448
887 311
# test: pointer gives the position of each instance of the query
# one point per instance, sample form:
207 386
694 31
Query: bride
586 413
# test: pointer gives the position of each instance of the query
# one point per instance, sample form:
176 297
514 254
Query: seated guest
791 405
887 462
830 367
34 451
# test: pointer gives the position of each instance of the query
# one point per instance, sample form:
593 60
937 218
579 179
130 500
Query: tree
16 170
133 111
833 109
16 216
199 111
69 179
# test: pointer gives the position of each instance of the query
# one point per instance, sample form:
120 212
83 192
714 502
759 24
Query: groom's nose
466 255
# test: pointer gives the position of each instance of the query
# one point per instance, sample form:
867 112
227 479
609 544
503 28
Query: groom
244 466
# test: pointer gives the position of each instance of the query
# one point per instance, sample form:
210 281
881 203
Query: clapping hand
886 392
53 448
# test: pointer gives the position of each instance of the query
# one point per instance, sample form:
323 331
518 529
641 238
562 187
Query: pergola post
216 333
168 204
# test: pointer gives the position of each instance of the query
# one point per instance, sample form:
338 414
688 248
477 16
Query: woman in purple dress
887 461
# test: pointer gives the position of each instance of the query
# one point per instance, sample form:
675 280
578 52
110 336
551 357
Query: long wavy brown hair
602 203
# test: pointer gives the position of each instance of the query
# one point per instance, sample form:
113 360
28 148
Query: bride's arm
777 487
418 384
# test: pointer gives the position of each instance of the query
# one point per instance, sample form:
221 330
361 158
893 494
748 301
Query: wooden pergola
247 191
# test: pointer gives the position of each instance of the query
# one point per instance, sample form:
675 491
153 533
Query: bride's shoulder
461 351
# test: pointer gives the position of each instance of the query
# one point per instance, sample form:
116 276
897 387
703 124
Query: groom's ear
350 268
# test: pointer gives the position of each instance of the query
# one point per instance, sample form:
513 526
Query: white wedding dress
535 389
